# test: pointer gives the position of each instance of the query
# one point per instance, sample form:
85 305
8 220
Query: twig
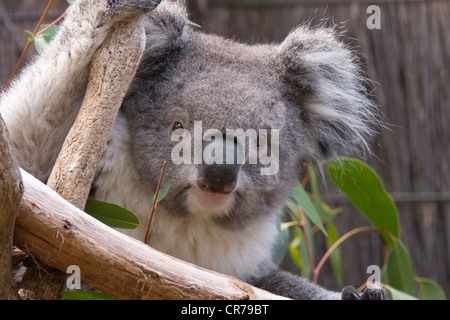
336 244
27 46
53 23
47 8
154 202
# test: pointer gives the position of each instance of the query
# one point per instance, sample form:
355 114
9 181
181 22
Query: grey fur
309 87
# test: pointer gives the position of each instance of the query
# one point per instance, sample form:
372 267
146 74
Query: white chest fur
197 240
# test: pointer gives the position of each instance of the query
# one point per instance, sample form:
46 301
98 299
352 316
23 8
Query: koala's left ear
324 82
164 32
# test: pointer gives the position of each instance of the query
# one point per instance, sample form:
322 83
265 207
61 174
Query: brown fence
409 58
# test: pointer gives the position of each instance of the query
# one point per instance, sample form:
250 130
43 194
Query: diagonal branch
112 70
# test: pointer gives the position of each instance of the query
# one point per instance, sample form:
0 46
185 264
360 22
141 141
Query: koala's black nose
220 177
217 178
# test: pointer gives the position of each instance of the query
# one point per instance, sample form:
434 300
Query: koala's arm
292 286
289 285
41 104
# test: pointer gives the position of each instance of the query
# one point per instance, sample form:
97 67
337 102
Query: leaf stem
47 8
154 203
22 56
53 23
302 225
336 244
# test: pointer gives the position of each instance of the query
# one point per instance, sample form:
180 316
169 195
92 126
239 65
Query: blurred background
408 59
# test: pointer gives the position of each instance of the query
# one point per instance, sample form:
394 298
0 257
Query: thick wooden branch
112 70
11 190
58 234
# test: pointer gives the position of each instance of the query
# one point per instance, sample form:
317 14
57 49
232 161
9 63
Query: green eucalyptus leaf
30 35
303 248
298 249
50 32
295 252
86 295
430 290
335 257
111 214
317 200
301 197
162 193
41 40
293 210
399 269
365 190
281 245
295 256
398 294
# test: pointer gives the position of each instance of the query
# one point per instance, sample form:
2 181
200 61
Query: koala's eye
177 125
178 135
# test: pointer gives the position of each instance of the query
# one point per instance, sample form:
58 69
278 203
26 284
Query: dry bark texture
11 190
113 68
60 235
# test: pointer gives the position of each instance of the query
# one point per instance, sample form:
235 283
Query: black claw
350 293
373 293
118 6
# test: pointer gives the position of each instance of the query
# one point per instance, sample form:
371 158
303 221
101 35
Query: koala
305 98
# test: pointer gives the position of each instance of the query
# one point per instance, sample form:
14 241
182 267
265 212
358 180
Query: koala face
223 86
305 99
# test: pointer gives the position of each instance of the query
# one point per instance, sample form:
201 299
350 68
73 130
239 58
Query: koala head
302 100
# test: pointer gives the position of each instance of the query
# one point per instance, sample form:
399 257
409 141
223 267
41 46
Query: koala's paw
372 292
132 6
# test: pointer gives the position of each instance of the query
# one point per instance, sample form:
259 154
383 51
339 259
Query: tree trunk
11 190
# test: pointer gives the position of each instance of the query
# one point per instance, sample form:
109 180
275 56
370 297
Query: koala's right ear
164 31
323 81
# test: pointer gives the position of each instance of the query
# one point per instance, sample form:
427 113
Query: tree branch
112 70
60 235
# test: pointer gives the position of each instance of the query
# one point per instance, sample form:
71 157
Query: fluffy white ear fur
327 83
